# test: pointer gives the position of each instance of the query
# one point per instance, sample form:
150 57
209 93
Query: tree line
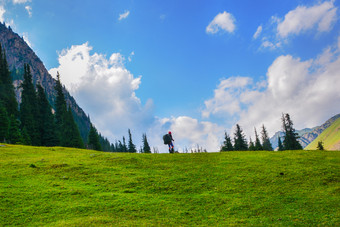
34 123
239 142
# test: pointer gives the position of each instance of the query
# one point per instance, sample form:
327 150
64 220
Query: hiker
168 140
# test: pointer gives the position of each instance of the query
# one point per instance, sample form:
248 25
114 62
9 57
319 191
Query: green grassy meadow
330 137
72 187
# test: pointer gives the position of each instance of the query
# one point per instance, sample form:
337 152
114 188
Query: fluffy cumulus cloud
124 15
20 1
304 18
105 89
306 89
222 21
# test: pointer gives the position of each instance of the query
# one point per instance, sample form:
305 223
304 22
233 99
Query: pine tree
267 146
4 123
146 147
60 109
227 145
93 139
290 141
7 94
14 134
131 146
240 143
28 108
123 146
251 145
281 148
71 135
45 120
258 146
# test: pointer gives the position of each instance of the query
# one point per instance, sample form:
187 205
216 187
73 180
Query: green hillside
330 137
72 187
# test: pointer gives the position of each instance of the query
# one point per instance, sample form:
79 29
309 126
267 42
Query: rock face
307 135
19 53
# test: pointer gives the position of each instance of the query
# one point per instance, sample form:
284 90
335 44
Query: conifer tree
227 145
45 120
258 146
146 147
14 134
7 94
251 145
267 146
131 146
28 108
123 146
280 146
4 123
240 143
60 108
93 139
290 141
71 135
320 146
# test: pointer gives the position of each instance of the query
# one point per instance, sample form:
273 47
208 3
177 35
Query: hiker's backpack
167 139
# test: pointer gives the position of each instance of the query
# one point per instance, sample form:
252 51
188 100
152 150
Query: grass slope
330 137
62 186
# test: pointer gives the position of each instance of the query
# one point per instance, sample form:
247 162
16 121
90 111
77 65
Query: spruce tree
4 123
267 146
93 139
71 135
60 109
28 108
251 145
280 146
290 141
14 134
146 147
227 145
258 146
45 120
240 143
123 146
131 146
7 93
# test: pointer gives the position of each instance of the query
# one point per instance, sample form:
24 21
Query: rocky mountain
18 53
307 135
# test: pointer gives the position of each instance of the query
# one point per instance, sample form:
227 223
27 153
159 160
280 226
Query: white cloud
307 90
222 21
258 32
25 37
131 55
29 10
124 15
2 12
105 89
20 1
305 18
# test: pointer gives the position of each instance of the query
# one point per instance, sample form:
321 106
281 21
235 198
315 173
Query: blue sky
194 67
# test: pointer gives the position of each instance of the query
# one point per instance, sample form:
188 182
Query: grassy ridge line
62 186
330 137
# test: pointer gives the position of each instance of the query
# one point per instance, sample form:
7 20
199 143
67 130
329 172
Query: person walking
171 145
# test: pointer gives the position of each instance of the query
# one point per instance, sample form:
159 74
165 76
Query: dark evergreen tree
7 94
267 146
146 147
320 146
280 146
29 108
71 135
131 146
240 143
60 109
45 120
227 144
251 145
26 140
94 139
4 123
123 147
14 134
290 141
258 146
